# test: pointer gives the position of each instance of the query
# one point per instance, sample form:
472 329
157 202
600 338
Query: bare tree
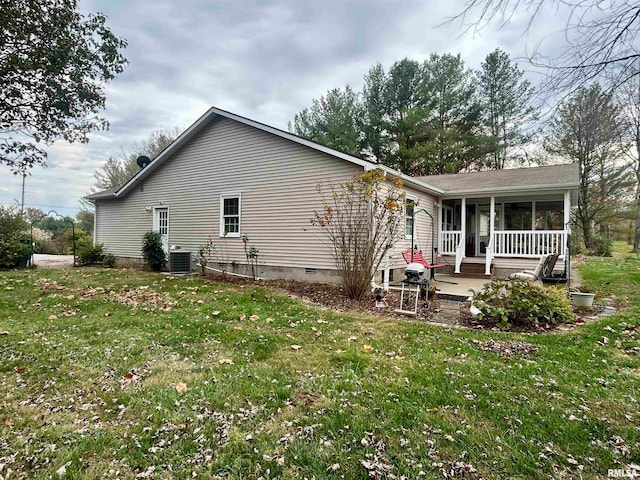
630 97
588 129
117 171
601 38
363 219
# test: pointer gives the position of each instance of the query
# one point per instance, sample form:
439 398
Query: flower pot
582 299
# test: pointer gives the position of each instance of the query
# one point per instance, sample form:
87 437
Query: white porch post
439 228
490 247
567 220
460 253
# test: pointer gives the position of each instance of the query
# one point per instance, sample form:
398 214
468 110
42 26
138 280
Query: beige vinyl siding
277 182
422 236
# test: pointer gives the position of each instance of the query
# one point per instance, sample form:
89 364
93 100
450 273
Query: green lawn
118 373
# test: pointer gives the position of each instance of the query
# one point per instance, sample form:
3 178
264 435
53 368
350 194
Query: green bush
517 303
152 251
600 246
108 260
14 238
88 254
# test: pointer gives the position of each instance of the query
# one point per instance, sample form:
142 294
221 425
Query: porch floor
460 287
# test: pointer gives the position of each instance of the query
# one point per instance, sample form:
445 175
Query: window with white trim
409 206
230 215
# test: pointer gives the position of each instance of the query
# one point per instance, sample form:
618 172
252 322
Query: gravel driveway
53 261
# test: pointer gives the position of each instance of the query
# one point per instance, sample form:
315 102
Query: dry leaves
367 348
225 361
181 388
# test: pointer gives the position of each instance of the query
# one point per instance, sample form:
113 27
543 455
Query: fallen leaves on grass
458 470
144 298
181 388
225 361
367 348
507 349
296 347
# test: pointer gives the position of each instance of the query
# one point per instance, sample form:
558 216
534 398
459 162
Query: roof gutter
518 189
406 179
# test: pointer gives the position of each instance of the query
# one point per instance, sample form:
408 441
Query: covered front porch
483 229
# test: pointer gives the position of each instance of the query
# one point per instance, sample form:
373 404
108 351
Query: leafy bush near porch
516 303
152 251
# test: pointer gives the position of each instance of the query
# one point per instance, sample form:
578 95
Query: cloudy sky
262 59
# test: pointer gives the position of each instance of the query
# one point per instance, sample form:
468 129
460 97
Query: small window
230 215
408 219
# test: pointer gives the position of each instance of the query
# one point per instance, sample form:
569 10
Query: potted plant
582 300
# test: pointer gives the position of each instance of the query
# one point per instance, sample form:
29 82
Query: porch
484 229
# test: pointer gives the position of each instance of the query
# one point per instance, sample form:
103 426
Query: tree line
431 117
440 117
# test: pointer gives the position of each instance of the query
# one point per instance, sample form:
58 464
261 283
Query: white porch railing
489 257
459 254
528 243
449 241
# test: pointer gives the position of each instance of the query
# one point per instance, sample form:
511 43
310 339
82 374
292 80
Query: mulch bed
333 297
437 310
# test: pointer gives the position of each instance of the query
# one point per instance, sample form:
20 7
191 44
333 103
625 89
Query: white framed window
409 225
230 211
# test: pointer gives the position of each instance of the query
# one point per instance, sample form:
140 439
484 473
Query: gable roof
215 112
509 180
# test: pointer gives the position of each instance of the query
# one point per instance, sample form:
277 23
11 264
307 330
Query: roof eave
506 190
176 144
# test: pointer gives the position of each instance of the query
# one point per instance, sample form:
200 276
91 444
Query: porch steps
472 267
473 270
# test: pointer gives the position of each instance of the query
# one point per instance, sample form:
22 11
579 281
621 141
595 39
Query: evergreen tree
453 140
506 100
333 120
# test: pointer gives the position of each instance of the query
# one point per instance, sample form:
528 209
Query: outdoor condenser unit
180 261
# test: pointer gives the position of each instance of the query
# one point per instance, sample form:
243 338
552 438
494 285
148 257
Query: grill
414 277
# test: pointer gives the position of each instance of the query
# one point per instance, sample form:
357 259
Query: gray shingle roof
517 178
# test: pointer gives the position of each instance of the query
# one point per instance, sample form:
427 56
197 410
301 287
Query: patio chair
544 268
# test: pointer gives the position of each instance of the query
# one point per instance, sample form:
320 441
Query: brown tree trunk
636 239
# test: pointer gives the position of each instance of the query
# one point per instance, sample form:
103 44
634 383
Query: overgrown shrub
600 246
14 238
89 254
152 251
108 260
517 303
362 219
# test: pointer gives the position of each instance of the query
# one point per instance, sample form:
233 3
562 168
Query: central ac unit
179 261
